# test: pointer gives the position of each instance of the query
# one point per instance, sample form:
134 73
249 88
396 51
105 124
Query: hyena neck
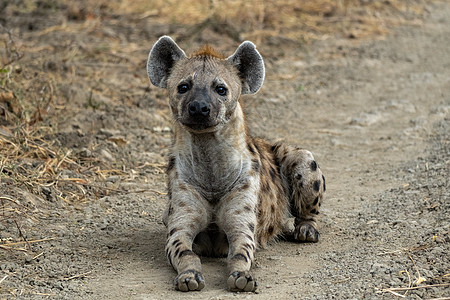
213 161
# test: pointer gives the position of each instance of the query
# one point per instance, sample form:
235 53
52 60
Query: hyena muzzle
229 193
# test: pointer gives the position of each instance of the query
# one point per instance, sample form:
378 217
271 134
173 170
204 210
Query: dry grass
304 20
34 170
418 279
297 20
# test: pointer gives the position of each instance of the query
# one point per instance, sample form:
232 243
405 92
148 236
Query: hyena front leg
237 218
186 216
307 187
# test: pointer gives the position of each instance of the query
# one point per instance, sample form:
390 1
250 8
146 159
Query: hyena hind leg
307 187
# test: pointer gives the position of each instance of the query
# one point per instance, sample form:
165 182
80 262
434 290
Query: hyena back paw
241 282
189 280
305 232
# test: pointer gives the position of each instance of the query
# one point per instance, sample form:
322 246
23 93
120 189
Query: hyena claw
241 282
189 281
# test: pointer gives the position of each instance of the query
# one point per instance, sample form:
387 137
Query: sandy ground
376 115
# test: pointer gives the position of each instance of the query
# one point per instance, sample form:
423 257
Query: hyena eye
183 88
221 90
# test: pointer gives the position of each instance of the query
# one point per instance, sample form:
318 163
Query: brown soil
84 139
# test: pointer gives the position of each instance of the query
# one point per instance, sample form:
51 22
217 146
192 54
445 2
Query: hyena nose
198 108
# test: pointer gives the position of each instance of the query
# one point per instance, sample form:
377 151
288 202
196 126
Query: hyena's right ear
250 65
161 59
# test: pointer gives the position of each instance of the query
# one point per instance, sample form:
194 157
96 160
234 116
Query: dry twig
415 287
78 276
28 242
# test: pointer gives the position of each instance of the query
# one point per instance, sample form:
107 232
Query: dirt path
364 113
375 113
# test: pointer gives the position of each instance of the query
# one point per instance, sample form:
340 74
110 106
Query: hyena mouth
201 126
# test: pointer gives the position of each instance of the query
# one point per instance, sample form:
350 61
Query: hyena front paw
241 282
306 232
189 280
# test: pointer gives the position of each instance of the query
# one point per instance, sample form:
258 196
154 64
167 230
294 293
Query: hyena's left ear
161 59
250 65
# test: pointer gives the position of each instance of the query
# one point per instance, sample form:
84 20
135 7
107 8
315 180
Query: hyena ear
250 65
161 59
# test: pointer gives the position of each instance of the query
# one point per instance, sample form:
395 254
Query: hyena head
204 88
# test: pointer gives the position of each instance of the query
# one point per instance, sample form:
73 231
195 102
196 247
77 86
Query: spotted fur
229 193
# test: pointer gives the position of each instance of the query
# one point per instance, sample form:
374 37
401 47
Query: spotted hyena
229 193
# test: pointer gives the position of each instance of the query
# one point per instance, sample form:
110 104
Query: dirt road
376 115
